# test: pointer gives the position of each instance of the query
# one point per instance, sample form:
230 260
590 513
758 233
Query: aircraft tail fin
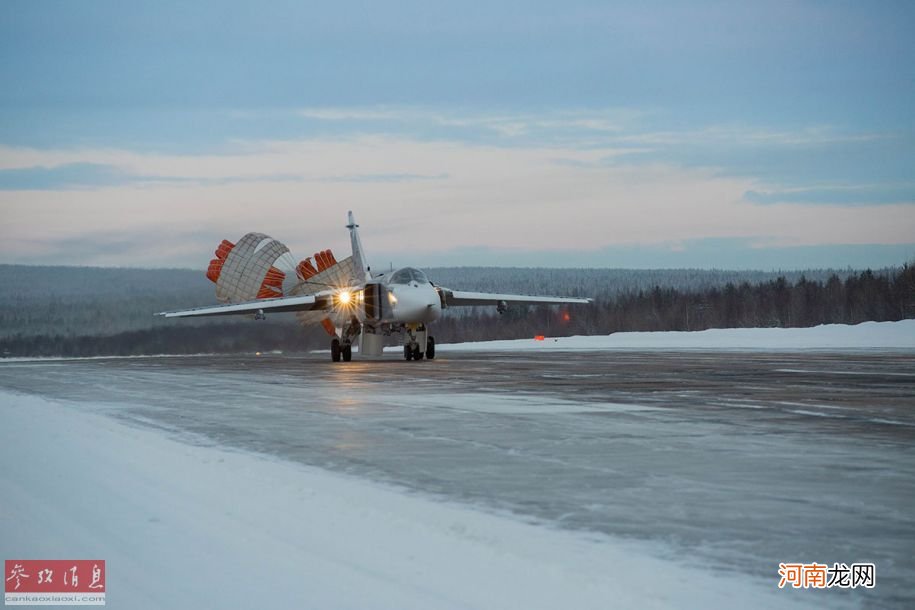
361 270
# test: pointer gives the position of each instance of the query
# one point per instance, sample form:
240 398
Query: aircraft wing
458 298
318 301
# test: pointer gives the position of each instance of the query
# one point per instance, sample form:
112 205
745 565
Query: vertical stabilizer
361 271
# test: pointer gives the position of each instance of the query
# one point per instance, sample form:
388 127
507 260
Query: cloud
615 125
505 184
749 136
383 177
117 247
79 176
350 114
839 195
736 253
783 157
93 176
66 176
431 195
502 126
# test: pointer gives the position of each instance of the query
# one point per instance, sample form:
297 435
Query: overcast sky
643 134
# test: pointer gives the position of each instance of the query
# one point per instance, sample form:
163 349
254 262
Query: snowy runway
647 479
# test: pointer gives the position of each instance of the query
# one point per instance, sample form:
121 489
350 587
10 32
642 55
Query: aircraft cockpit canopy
408 275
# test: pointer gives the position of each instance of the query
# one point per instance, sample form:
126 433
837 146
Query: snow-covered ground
185 525
868 335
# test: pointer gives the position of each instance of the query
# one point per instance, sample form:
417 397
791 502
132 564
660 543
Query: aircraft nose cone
414 304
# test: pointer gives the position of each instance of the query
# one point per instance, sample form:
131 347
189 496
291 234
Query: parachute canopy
250 269
257 266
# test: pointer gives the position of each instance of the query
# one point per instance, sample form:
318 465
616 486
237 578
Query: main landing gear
341 348
341 351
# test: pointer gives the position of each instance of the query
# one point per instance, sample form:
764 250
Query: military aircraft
349 299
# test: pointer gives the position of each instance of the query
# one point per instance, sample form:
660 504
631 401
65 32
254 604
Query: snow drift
868 335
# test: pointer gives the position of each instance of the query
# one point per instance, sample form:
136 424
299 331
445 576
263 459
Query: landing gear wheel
347 352
430 348
417 355
335 350
407 352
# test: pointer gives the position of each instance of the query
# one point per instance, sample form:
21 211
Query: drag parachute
250 269
257 267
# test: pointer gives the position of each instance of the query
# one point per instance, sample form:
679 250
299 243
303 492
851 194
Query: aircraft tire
347 353
417 355
407 352
335 350
430 348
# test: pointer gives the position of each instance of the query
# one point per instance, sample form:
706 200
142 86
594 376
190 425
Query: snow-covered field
868 335
188 526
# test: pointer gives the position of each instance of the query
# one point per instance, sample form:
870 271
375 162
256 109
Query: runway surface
738 460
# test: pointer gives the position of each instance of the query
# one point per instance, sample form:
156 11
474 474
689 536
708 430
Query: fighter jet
354 304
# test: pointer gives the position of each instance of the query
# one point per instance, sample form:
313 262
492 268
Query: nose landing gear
418 344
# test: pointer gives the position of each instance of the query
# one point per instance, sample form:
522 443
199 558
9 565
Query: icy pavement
733 462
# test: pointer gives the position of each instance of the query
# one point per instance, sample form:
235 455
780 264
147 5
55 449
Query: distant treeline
93 301
860 297
94 312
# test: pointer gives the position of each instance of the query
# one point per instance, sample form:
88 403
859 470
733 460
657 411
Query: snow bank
868 335
191 526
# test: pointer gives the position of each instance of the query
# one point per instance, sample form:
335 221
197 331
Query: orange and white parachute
250 269
254 268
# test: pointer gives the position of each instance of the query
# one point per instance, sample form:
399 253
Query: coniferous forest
77 311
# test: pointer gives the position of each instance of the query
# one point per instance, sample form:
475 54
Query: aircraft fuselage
401 297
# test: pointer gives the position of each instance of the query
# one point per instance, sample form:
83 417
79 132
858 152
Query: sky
704 134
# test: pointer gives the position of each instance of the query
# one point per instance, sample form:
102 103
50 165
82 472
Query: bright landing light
344 297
